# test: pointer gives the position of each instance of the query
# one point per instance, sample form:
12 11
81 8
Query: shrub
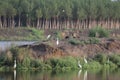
74 41
60 63
102 58
26 62
58 34
94 40
98 32
115 59
38 34
35 63
94 65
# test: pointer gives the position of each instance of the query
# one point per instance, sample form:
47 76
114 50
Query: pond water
73 75
7 44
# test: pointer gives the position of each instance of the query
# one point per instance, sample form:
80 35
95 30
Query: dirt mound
43 50
106 47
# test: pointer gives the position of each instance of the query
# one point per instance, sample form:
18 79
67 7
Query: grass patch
17 34
99 32
26 61
83 42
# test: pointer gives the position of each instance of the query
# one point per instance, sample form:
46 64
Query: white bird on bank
48 36
15 64
57 42
85 60
80 66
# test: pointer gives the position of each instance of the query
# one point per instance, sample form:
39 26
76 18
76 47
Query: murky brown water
73 75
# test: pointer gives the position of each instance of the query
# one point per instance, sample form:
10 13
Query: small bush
98 32
74 41
60 63
115 59
38 34
102 58
94 40
58 34
94 65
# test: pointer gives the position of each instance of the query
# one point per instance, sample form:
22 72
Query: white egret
85 60
48 36
57 42
80 66
15 64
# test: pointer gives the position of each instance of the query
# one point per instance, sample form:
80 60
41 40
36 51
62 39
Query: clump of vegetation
22 33
115 59
37 34
26 61
83 42
74 41
94 40
102 58
99 32
58 34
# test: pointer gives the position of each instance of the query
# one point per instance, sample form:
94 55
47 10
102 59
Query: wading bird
85 60
15 64
57 42
48 36
80 66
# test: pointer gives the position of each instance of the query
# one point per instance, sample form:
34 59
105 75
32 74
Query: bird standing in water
80 66
85 60
15 64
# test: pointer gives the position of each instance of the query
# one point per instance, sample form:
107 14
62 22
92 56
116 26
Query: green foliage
38 33
62 63
83 42
31 10
94 40
21 34
115 59
102 58
58 34
98 32
14 51
26 61
94 65
74 41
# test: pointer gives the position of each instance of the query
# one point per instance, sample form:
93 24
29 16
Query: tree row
60 14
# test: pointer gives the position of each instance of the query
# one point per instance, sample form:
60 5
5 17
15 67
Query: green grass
91 40
28 34
25 61
99 32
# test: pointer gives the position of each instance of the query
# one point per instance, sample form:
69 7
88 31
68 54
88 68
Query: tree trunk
4 21
0 22
12 22
19 21
38 22
28 22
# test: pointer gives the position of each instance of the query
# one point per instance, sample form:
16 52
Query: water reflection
14 74
50 75
85 75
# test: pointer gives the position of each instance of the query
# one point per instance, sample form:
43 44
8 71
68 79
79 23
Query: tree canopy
56 13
